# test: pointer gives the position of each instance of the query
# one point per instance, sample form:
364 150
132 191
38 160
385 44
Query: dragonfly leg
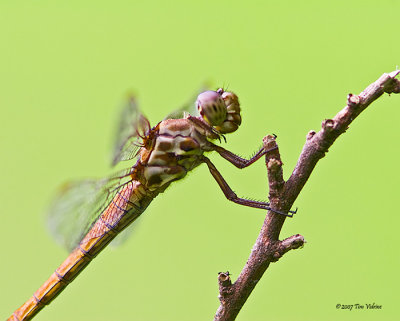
236 160
211 131
230 194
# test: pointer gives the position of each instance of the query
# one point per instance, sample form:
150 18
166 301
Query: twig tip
394 73
224 279
269 139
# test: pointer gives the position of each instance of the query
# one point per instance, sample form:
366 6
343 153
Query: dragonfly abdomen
126 206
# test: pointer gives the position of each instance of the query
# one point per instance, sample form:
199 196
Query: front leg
205 128
236 160
230 195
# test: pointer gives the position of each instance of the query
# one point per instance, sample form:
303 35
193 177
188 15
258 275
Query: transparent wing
123 236
126 233
77 206
188 107
132 127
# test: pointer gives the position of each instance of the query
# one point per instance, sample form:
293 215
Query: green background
65 69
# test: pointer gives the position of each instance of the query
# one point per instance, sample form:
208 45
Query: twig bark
268 248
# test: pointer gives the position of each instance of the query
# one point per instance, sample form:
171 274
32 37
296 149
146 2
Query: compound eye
212 107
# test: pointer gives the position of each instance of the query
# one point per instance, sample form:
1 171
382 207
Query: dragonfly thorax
177 146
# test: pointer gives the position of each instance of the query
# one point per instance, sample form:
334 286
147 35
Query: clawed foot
288 214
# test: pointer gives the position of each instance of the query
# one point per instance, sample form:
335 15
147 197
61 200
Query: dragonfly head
220 109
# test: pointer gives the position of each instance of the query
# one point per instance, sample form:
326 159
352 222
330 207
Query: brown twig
268 248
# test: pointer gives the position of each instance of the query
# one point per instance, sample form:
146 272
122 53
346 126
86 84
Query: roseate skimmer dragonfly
87 215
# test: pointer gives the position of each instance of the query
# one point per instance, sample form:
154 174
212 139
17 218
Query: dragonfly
87 215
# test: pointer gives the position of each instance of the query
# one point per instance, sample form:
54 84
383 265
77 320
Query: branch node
224 279
276 256
328 125
310 134
274 164
225 285
353 100
291 243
